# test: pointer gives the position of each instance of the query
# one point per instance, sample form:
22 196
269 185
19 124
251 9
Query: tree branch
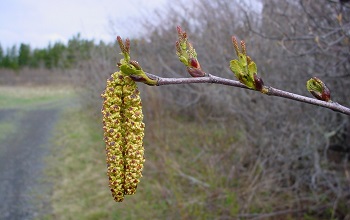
270 90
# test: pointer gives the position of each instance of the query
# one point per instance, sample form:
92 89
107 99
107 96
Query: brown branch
270 90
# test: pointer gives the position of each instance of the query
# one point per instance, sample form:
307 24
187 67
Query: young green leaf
244 68
130 67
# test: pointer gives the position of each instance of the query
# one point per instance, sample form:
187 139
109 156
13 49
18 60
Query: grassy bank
29 96
76 168
184 174
192 171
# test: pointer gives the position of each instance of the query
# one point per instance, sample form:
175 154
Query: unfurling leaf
131 67
318 89
245 69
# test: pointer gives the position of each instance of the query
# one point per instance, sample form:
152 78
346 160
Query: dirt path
21 159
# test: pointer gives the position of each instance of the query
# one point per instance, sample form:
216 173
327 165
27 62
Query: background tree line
56 55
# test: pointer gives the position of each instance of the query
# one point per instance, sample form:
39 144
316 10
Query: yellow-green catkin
123 134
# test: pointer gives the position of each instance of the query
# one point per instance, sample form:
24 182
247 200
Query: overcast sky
38 22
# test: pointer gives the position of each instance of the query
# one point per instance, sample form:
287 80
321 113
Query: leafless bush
289 140
313 38
285 152
89 76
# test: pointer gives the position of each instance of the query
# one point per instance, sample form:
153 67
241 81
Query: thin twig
193 180
257 216
270 90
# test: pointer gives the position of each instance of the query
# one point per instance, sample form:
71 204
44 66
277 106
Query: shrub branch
243 68
270 90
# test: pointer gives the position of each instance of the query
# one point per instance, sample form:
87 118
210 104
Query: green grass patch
193 170
14 100
6 128
181 178
76 168
26 96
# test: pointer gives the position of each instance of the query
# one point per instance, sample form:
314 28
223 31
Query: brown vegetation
33 77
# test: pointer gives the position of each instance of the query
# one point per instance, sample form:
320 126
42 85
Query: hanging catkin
123 134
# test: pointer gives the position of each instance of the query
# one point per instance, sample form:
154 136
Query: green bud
318 89
187 54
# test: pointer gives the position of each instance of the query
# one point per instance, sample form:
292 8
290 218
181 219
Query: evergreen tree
38 58
1 55
24 55
10 60
56 54
53 56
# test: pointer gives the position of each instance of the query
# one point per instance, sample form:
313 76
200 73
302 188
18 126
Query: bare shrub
281 160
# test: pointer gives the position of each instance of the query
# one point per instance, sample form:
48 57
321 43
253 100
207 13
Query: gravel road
21 160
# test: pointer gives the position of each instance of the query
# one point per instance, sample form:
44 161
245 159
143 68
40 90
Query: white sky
38 22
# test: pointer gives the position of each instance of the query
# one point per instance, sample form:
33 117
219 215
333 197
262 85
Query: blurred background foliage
218 152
